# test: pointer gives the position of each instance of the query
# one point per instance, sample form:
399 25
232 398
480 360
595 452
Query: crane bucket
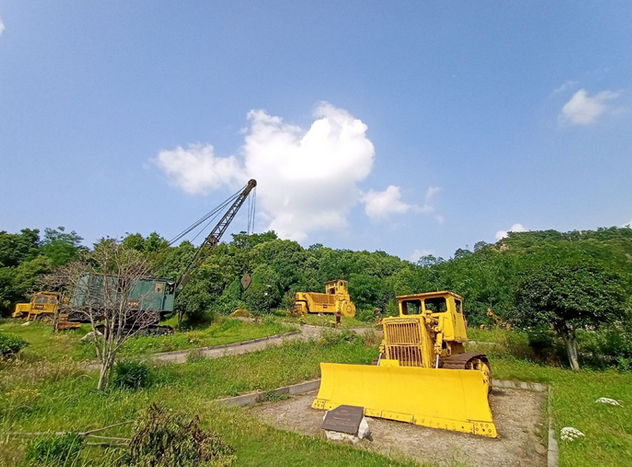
439 398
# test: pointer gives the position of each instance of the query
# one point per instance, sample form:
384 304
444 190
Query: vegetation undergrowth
608 440
52 450
44 344
10 345
70 402
131 374
41 395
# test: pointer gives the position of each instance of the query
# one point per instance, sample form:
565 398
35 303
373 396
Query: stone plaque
246 280
344 419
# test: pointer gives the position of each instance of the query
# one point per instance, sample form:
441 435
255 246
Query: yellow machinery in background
44 306
499 323
423 374
335 300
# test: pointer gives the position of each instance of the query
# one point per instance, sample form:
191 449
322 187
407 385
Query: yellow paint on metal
448 399
336 299
387 362
42 304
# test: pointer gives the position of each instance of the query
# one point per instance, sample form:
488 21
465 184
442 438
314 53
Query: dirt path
517 414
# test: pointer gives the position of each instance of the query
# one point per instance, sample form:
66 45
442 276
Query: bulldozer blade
438 398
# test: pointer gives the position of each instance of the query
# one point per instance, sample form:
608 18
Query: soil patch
518 416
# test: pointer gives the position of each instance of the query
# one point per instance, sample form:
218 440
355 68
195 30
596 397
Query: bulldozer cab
430 303
444 307
336 287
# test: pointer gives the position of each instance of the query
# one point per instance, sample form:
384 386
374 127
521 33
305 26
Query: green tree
15 248
61 246
134 241
154 243
571 294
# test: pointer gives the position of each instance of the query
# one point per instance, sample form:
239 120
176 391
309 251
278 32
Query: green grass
57 394
326 320
55 347
608 429
43 343
43 396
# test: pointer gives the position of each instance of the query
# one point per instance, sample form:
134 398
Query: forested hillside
490 276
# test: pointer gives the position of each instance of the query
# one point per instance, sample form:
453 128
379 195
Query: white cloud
514 228
567 85
307 179
428 206
379 204
582 109
1 26
196 169
418 253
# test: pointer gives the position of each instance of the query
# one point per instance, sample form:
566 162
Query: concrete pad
518 416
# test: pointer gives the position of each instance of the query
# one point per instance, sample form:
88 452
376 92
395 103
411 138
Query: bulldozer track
460 361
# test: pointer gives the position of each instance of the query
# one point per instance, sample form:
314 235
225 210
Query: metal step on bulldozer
423 374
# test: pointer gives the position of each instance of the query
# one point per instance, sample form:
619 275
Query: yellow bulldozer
336 299
423 374
44 306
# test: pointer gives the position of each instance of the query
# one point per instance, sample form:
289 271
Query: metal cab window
411 307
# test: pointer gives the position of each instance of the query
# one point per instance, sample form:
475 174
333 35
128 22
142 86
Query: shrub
165 439
11 345
366 315
53 450
371 338
330 337
131 374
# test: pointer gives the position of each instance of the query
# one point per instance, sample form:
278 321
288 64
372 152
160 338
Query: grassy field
38 394
44 344
42 396
325 320
608 429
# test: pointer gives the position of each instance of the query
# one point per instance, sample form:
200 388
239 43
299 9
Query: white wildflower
568 433
605 400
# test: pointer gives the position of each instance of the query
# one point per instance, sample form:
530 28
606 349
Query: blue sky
408 127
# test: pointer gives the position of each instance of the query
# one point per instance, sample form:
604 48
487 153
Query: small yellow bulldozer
423 374
335 300
44 306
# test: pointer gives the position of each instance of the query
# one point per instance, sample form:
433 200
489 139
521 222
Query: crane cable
209 216
252 205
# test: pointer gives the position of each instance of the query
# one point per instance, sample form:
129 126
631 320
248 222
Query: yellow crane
336 299
423 374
